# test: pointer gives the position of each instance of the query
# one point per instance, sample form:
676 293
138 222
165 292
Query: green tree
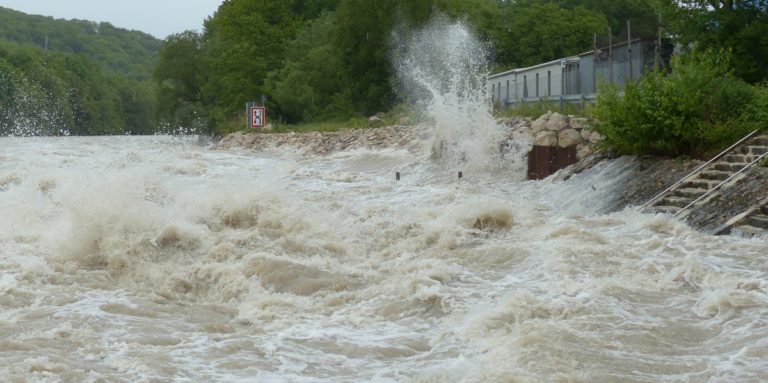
741 26
180 76
697 108
74 77
308 86
537 32
245 39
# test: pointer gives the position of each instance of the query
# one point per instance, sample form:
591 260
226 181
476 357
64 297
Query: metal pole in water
461 174
397 176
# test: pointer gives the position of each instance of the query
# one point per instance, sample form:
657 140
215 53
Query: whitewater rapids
160 259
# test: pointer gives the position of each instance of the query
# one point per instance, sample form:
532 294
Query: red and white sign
258 116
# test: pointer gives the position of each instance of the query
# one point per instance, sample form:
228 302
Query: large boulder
595 137
582 151
539 125
375 122
585 133
557 122
546 138
568 137
578 123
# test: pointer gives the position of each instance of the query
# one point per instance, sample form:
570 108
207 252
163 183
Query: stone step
689 192
666 209
680 202
758 220
753 149
714 175
742 158
730 167
701 183
748 231
759 140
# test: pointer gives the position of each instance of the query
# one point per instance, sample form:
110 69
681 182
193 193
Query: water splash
444 67
30 110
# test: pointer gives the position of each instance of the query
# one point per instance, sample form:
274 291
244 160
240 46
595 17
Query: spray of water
443 66
30 110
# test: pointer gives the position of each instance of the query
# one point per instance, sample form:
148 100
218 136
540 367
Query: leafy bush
536 109
696 109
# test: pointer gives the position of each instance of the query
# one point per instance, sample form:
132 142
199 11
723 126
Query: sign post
256 115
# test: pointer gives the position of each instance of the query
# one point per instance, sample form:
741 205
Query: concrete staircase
751 223
704 182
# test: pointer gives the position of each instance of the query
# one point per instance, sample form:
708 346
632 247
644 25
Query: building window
549 83
525 86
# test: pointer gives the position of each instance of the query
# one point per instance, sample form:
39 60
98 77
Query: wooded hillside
74 77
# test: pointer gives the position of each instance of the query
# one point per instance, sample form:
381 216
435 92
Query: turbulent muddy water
144 259
158 259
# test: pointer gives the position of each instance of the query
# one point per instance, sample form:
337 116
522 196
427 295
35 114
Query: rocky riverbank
649 175
397 136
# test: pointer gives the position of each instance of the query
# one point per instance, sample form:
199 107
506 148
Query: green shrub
537 108
696 109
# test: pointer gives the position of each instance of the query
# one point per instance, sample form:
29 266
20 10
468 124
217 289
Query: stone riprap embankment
556 130
551 129
398 136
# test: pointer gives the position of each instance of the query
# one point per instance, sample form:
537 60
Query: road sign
258 116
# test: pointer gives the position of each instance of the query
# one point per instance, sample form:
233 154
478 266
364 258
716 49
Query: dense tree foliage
74 77
325 59
541 31
738 25
315 59
698 107
706 101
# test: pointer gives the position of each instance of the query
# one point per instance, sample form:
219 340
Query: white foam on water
284 267
158 259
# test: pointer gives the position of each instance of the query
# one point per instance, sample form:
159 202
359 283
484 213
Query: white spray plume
444 67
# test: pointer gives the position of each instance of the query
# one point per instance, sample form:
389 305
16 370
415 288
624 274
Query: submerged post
461 174
397 176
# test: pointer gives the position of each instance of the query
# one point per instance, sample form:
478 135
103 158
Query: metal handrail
710 191
699 169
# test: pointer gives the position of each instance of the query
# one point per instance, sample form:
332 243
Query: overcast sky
159 18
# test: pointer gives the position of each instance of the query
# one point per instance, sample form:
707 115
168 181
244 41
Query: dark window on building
525 86
549 83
